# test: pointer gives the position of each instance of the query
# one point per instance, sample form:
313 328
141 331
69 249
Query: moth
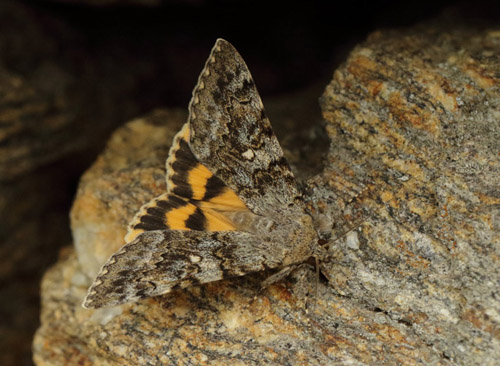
232 205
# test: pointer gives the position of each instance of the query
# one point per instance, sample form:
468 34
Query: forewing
231 135
158 261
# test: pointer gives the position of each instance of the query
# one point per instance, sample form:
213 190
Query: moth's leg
304 283
278 276
307 282
285 271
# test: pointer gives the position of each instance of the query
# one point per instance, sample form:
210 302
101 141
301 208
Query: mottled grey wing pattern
158 261
231 135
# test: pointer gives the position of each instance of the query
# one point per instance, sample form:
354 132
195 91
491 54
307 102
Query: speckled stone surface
408 199
415 117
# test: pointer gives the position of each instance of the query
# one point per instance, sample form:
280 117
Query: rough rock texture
35 132
415 117
408 199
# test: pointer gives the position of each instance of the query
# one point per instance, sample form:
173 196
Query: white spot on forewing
249 154
194 258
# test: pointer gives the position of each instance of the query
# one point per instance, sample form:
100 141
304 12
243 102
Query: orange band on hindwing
195 200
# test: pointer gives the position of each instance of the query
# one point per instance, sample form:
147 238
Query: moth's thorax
292 232
301 238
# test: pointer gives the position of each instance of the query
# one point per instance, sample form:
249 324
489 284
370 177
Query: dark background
98 65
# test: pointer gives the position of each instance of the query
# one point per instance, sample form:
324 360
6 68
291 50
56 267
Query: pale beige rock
130 172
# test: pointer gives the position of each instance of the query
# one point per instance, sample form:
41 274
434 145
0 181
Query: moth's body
232 205
293 235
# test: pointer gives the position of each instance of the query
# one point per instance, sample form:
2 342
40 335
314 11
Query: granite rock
414 118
